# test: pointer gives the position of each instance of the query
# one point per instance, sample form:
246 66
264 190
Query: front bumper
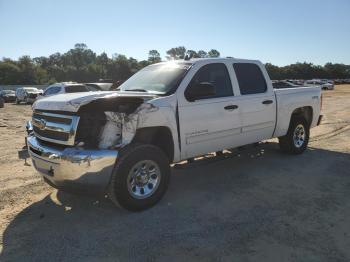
9 98
72 168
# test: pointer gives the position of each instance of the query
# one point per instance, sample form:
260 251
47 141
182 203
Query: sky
276 31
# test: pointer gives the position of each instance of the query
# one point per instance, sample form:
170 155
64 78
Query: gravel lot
254 204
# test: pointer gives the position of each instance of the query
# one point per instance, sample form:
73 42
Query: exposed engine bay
110 123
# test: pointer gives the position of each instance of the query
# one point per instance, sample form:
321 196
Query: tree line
81 64
308 71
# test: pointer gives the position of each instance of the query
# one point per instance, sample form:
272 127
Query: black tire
130 156
2 103
17 101
286 142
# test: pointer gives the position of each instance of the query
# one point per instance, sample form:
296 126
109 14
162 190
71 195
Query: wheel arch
159 136
305 112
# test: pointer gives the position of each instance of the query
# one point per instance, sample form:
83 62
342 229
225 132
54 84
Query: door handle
266 102
231 107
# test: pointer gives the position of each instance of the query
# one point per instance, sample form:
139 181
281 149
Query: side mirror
200 90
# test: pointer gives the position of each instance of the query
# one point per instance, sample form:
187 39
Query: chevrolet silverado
122 143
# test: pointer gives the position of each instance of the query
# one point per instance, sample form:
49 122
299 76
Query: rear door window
93 87
76 89
250 78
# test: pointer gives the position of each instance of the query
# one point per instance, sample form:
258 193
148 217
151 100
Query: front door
210 123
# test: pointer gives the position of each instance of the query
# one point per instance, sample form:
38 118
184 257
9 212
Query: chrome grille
55 128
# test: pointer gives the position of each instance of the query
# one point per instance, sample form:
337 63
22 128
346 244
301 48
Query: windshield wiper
137 90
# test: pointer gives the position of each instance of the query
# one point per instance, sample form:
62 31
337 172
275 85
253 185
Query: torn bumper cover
73 167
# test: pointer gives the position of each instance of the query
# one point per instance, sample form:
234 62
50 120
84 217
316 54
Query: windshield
160 78
31 89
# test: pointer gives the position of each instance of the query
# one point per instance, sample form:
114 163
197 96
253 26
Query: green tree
82 64
154 56
337 70
192 54
213 53
274 71
102 60
27 70
176 53
202 54
9 73
143 64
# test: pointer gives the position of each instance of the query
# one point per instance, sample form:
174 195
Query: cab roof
193 61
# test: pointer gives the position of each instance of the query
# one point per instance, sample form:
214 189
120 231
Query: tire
2 103
295 141
130 195
17 101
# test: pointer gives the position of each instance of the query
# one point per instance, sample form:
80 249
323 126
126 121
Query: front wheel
297 137
140 177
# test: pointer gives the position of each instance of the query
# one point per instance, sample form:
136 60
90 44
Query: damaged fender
120 128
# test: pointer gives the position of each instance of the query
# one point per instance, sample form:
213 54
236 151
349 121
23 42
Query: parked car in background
8 95
283 84
327 81
27 94
323 84
64 87
339 81
297 82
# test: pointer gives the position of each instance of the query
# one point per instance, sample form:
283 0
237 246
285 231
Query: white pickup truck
123 142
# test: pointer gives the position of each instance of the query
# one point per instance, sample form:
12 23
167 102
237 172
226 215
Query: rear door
257 102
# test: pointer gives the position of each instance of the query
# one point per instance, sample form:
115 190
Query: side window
250 78
215 74
76 89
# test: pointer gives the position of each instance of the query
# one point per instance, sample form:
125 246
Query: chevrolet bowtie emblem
41 124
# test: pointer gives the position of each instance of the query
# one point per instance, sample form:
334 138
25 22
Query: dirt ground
254 204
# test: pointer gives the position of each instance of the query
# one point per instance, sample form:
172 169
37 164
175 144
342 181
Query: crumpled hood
73 101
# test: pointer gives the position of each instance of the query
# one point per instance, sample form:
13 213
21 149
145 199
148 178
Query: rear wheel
297 137
140 177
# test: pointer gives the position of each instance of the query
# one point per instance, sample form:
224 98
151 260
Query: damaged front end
79 144
110 124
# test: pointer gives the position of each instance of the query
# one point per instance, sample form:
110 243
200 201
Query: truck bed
289 98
